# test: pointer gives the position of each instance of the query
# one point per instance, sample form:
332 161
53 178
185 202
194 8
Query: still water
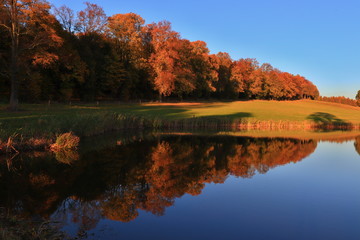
190 187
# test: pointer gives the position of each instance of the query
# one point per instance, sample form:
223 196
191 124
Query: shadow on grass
327 119
163 111
178 112
160 112
234 116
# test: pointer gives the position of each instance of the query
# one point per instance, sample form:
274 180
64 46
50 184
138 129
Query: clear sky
318 39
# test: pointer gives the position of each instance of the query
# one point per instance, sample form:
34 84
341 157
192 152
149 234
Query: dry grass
300 134
17 143
65 141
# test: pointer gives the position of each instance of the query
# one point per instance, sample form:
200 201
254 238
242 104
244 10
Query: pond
188 186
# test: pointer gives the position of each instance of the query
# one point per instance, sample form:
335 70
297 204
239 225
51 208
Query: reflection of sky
318 39
317 198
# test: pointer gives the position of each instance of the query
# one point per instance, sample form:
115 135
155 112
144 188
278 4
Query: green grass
90 119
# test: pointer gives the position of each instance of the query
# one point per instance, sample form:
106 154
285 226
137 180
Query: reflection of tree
85 213
357 144
67 156
17 228
120 206
115 183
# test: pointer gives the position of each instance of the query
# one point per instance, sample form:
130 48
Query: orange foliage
91 20
44 58
202 66
339 99
241 73
126 30
121 57
172 68
120 208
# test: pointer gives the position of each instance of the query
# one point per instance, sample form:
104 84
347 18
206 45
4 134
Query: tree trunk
14 96
14 32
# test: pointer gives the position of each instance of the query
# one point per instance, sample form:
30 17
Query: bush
65 141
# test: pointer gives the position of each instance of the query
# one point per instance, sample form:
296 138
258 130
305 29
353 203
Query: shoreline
39 126
18 142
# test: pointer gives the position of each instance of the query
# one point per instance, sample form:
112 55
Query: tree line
340 99
54 53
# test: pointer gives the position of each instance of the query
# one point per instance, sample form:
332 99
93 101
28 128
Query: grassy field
92 119
257 109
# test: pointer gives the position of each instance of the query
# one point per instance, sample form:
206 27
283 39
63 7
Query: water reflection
357 145
118 181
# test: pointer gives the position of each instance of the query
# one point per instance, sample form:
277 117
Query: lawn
92 119
256 110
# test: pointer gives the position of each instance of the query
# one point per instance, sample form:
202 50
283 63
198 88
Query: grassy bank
45 122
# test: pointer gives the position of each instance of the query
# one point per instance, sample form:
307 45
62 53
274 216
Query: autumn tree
64 77
126 33
169 60
122 58
358 98
223 64
267 82
96 53
66 17
172 69
289 84
339 99
205 73
242 74
158 33
94 50
308 90
256 86
91 20
30 27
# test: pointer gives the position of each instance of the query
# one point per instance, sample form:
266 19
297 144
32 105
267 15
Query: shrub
65 141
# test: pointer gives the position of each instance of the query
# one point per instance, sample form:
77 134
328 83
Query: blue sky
318 39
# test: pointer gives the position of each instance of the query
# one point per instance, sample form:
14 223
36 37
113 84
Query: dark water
190 187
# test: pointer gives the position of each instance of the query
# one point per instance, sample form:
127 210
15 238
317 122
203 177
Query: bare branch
3 25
